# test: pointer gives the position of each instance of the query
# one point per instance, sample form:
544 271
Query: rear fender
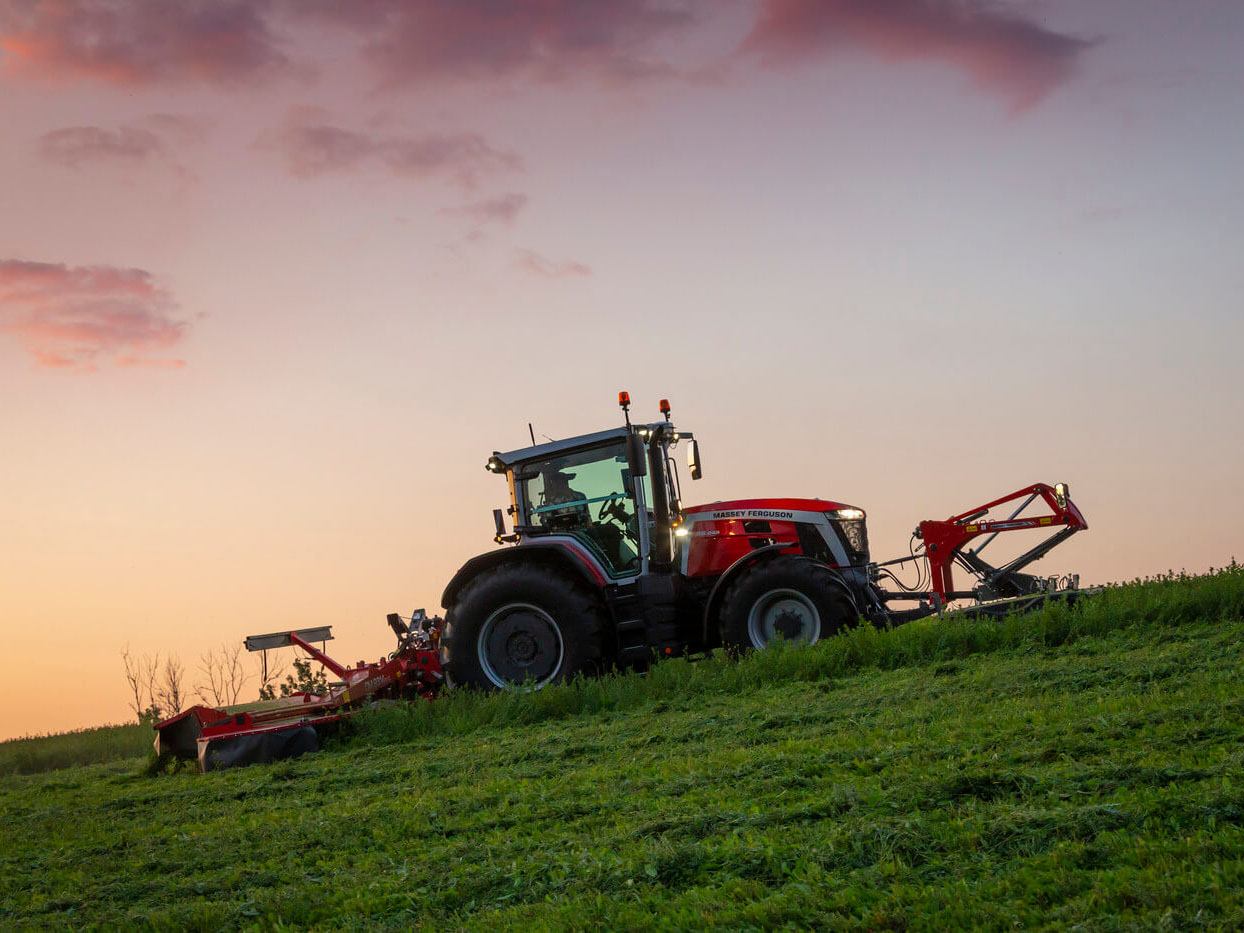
564 554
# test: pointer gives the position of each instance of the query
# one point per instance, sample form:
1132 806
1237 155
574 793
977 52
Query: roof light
494 465
664 406
624 399
848 514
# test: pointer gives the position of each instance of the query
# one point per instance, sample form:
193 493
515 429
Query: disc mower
293 724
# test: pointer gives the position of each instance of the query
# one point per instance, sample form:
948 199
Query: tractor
603 564
604 567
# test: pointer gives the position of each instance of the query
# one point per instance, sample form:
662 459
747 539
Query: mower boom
944 547
292 725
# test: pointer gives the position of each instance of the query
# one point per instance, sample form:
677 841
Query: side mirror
636 455
498 519
693 460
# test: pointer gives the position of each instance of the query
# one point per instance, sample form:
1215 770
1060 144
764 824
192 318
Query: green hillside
81 747
1080 765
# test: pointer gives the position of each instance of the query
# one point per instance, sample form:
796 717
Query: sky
276 277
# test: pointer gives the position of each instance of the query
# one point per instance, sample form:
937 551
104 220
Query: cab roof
553 448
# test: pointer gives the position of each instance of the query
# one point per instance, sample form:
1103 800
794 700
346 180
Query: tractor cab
614 493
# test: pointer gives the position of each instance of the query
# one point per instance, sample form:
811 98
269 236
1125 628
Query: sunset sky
276 277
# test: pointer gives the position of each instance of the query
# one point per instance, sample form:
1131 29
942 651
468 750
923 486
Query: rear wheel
521 625
792 598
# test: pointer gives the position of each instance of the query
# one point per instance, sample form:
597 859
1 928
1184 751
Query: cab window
587 494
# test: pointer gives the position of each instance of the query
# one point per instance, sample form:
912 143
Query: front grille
854 536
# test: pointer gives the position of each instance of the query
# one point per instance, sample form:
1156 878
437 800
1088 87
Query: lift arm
944 540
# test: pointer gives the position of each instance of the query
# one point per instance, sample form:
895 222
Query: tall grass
35 754
1168 600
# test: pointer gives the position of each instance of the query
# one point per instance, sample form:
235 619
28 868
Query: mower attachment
178 736
1001 589
257 747
291 726
944 543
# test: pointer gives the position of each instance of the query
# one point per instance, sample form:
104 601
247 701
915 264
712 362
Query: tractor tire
799 599
522 625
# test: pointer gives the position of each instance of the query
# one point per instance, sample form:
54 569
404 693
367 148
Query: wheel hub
783 613
520 645
789 623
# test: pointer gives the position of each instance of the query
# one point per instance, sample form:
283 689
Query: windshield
588 494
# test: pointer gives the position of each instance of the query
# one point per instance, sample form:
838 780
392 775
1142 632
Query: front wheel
792 598
521 625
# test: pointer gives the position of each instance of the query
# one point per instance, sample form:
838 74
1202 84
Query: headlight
851 529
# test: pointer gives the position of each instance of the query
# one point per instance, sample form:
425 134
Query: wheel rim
786 613
520 645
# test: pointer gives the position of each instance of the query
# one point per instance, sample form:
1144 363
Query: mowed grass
1085 769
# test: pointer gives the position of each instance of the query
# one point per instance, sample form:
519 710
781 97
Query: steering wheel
610 509
613 510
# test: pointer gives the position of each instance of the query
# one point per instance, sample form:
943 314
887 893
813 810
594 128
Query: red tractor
607 566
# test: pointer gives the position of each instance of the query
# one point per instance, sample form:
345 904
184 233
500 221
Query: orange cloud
1001 51
137 42
76 316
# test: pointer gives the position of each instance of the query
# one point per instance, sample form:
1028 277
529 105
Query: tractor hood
762 508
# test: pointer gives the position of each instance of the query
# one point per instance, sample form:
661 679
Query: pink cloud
139 42
416 41
465 156
532 262
76 316
176 127
236 42
503 209
156 138
316 148
74 145
312 149
426 43
1000 51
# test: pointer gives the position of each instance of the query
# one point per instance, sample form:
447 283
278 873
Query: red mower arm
944 540
318 655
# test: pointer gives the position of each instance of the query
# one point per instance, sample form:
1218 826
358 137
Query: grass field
67 749
1081 766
